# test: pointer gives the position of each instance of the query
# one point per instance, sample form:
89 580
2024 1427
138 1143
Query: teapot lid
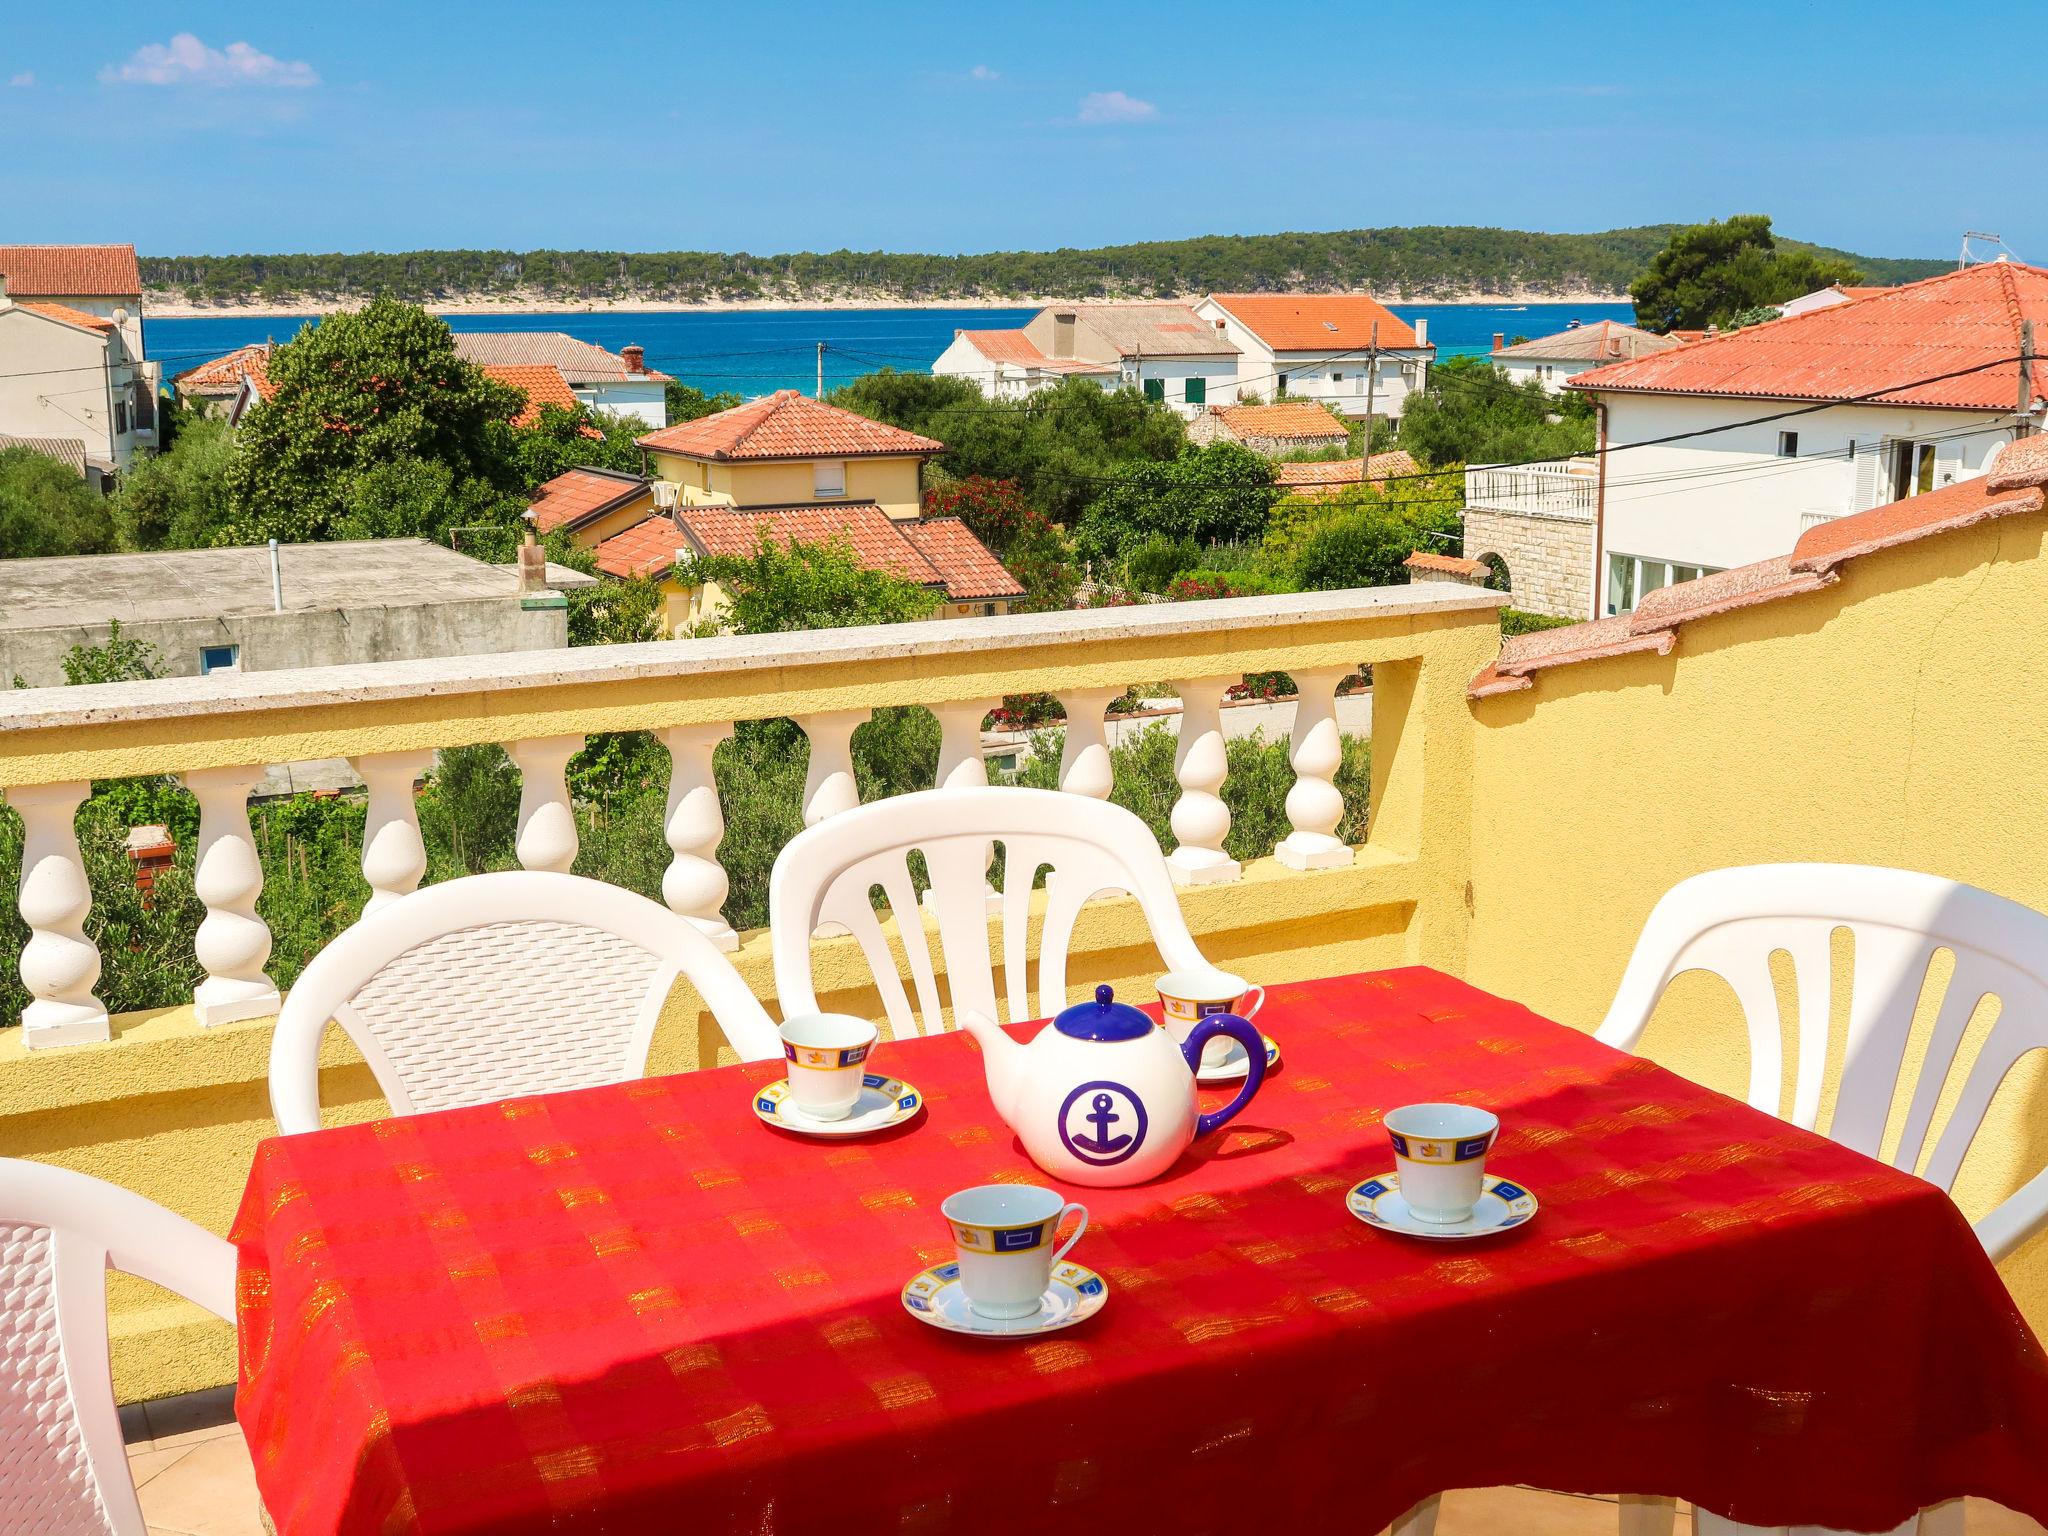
1103 1019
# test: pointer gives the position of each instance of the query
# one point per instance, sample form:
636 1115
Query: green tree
1469 412
46 509
378 389
806 586
179 498
1030 545
687 403
120 658
1218 492
1708 273
562 439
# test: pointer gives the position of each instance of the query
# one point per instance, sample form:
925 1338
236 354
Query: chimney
1500 339
1422 333
635 356
533 564
1063 334
151 849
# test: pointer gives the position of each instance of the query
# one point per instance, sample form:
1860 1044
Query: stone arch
1497 578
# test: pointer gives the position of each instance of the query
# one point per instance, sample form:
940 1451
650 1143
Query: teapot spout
1001 1060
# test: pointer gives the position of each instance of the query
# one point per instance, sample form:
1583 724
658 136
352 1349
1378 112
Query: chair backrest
63 1467
1731 922
826 874
498 985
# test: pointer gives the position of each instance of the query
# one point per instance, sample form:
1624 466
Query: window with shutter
1865 459
1197 392
1155 389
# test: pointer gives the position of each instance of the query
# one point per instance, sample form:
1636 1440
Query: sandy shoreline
167 308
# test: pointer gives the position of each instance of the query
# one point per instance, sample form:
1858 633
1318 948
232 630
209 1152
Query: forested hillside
1447 262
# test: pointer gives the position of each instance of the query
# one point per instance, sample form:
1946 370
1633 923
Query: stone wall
1549 559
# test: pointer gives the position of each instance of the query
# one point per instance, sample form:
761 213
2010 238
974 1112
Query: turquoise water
754 351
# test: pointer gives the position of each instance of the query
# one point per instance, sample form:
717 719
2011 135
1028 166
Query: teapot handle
1255 1054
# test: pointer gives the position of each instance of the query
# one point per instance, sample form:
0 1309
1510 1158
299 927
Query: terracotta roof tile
1289 418
541 383
224 373
1146 329
579 494
963 562
1326 476
1603 341
647 548
1814 563
787 425
1316 322
70 271
1881 344
581 362
70 316
1449 565
1016 347
877 540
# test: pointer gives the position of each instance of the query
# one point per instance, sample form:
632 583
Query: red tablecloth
637 1309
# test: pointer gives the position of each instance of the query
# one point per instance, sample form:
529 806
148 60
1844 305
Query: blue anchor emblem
1110 1106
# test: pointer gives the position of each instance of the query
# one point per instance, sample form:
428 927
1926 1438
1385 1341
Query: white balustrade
695 885
1201 821
394 857
1085 767
961 765
59 964
233 942
829 785
547 820
1314 803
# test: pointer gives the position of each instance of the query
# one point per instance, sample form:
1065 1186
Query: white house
1322 345
1748 439
68 374
605 381
1007 365
99 280
1551 360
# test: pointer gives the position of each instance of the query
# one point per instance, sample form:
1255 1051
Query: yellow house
786 449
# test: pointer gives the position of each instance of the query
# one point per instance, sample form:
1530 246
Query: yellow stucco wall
1896 718
891 482
633 513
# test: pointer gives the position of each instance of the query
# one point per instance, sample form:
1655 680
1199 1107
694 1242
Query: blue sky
764 126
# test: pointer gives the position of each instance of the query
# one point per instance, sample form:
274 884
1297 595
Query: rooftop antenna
1972 257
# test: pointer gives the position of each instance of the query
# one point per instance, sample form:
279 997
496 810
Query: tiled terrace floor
195 1479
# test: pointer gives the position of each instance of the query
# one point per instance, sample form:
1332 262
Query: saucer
1075 1295
1233 1067
1378 1203
883 1102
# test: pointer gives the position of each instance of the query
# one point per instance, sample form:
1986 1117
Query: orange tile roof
2016 486
966 565
1329 475
257 367
1289 418
578 495
541 383
647 548
1880 344
70 271
69 316
787 425
1316 322
1017 347
224 373
876 540
1449 565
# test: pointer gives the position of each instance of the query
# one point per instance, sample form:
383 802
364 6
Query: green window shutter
1198 392
1155 389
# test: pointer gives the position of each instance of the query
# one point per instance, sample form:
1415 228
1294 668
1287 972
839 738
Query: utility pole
2026 405
1372 379
821 371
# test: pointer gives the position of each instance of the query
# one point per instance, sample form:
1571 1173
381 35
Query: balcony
1525 816
1565 490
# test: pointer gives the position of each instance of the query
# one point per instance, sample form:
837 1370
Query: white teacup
1188 997
1005 1233
1440 1153
827 1054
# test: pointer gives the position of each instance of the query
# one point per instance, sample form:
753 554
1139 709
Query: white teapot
1103 1096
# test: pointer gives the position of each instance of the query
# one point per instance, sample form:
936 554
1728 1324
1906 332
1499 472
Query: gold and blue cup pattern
1005 1235
827 1055
1440 1154
1188 997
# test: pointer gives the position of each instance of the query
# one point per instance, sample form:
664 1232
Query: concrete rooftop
231 583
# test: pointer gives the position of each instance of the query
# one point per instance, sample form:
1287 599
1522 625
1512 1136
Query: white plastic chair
63 1466
825 875
494 986
1731 921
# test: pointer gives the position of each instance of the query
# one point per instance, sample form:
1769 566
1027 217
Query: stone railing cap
226 693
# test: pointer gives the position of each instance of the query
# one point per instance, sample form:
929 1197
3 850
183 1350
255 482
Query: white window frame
828 477
1637 576
1788 445
232 664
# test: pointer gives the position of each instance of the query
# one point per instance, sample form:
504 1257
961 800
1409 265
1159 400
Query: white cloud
983 72
1115 107
25 79
185 60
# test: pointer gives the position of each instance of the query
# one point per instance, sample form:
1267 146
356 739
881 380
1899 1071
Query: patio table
637 1308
